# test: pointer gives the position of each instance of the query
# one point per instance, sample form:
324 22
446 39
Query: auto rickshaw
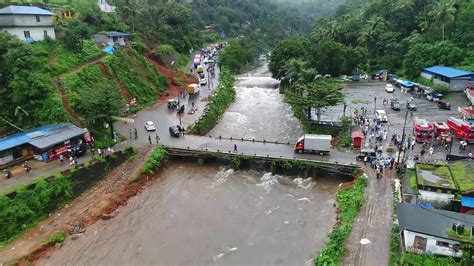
172 103
395 105
370 153
444 105
411 105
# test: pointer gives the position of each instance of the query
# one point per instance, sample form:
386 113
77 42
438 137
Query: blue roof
41 136
25 10
113 33
467 202
407 83
449 72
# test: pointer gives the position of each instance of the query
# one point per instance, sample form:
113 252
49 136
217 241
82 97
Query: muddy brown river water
212 215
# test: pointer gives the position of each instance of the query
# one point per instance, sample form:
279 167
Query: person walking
61 158
135 132
157 138
413 142
431 152
422 153
130 132
149 139
235 148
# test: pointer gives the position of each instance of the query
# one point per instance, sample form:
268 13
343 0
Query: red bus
422 129
461 129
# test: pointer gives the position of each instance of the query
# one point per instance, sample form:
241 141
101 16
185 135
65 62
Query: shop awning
62 135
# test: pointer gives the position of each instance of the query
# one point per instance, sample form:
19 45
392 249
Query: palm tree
404 4
134 9
371 30
444 12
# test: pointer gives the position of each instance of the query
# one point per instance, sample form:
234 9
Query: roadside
95 204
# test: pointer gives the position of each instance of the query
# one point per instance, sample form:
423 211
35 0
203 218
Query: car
434 97
150 126
174 132
395 105
203 81
389 88
381 115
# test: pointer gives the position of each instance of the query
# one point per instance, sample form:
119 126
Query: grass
441 171
56 237
394 258
412 175
465 236
350 201
410 259
463 173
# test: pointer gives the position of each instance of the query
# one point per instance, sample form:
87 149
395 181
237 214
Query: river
212 215
259 111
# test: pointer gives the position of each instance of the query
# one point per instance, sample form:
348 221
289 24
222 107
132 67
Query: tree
444 12
290 48
319 95
75 32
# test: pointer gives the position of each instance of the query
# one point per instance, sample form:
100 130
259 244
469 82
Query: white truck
314 144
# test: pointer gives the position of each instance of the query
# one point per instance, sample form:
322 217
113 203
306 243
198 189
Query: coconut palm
444 12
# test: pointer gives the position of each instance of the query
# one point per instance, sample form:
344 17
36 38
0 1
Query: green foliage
239 53
344 136
215 108
74 34
156 160
463 174
394 258
236 162
350 201
390 150
291 48
66 60
412 176
56 237
164 49
410 259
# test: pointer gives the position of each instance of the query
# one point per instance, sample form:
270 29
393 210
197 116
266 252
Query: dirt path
79 68
101 202
374 223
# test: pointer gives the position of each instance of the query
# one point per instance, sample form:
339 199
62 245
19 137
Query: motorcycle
8 173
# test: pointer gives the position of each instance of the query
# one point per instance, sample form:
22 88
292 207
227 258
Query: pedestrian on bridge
235 148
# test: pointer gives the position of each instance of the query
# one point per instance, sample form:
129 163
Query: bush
223 98
350 201
164 49
56 237
156 160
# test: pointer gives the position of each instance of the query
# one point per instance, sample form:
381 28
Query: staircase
75 119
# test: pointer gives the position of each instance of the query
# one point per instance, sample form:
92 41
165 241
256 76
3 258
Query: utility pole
400 147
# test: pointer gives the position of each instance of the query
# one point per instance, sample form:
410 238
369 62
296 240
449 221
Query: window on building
27 34
442 244
45 33
38 19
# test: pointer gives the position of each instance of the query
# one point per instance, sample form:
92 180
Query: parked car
434 97
370 153
444 105
411 105
395 105
174 131
150 126
389 88
381 115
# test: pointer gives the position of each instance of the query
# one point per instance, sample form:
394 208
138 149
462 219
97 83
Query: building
28 23
433 232
63 14
45 143
105 7
455 79
110 38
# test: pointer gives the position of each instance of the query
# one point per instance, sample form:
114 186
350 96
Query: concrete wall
25 20
37 33
458 84
114 41
431 247
426 75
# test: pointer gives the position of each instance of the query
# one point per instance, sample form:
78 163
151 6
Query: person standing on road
135 132
235 148
61 158
413 142
130 132
431 152
149 139
157 138
422 152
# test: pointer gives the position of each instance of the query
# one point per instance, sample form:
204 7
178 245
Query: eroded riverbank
212 215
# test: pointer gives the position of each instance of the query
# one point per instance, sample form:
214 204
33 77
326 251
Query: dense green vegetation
156 160
222 98
463 174
27 205
349 201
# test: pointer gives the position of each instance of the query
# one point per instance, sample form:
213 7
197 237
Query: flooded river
259 110
211 215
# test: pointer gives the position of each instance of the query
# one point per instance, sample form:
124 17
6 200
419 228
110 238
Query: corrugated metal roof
407 83
449 72
25 10
42 137
467 202
113 33
432 222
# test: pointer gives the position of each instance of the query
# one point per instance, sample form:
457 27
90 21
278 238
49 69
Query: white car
389 88
150 126
203 82
381 115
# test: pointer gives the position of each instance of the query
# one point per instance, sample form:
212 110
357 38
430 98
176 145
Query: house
28 23
455 79
105 7
45 143
63 14
110 38
433 232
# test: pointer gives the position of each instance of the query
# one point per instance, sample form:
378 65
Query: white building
28 23
110 38
425 231
104 7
